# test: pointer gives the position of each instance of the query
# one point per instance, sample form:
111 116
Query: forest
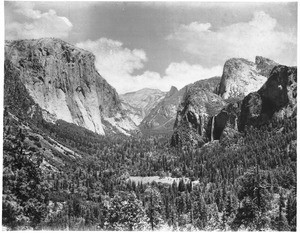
247 182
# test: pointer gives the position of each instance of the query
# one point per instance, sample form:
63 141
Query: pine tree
153 206
291 211
281 221
125 212
25 193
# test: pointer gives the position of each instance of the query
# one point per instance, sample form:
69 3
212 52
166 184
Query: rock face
203 116
139 104
264 65
135 114
226 122
16 98
195 112
63 81
277 98
162 116
241 77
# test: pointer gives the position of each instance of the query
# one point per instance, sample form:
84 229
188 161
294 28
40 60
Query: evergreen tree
25 193
153 206
125 212
291 210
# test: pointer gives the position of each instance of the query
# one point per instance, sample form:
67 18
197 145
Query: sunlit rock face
277 98
203 116
241 77
63 81
194 113
140 103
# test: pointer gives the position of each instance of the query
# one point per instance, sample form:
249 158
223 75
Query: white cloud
36 24
245 39
112 58
117 65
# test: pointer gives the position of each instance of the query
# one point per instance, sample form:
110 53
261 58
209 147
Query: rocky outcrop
195 113
63 81
162 116
16 98
225 123
138 104
277 98
264 65
172 92
241 77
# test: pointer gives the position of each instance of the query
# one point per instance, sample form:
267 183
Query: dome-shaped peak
172 91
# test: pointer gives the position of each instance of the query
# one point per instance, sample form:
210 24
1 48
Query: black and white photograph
149 116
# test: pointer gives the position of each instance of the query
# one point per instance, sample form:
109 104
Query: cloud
117 65
204 4
245 39
113 59
36 24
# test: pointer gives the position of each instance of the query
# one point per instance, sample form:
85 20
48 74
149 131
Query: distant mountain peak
145 90
172 91
140 103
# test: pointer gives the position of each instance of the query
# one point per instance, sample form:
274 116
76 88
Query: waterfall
212 129
235 123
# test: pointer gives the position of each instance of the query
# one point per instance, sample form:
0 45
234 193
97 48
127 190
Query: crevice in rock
220 122
41 79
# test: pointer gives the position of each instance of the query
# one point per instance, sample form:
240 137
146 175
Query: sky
161 44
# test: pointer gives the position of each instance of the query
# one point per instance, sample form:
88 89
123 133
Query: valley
217 154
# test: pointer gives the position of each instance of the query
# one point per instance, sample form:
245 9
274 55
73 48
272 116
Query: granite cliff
63 81
276 99
194 113
204 116
241 77
162 117
138 104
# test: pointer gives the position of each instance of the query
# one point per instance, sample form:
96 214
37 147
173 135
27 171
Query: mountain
138 104
62 80
162 117
202 116
199 104
65 177
275 100
240 76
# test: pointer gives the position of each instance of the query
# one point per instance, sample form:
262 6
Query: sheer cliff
241 77
275 100
63 81
199 104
